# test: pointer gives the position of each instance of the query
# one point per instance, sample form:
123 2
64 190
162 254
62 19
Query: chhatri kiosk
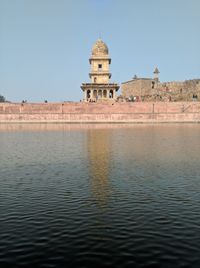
99 89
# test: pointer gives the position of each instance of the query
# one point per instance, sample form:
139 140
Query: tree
2 98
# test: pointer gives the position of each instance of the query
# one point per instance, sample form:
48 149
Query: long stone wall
99 112
174 90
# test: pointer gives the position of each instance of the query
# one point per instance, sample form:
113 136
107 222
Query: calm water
100 196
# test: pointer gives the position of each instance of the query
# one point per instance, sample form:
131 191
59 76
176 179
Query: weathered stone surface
149 89
100 112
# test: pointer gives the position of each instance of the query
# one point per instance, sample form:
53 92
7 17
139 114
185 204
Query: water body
100 195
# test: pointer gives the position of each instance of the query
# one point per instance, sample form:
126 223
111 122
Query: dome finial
156 71
99 48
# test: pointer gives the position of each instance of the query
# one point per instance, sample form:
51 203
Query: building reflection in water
99 156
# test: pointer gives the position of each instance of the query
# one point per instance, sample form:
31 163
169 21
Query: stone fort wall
151 90
99 112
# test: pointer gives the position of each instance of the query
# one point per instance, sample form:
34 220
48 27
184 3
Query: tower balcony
85 86
99 72
93 58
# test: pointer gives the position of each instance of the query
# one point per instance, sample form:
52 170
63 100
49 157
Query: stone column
114 94
92 94
107 94
85 95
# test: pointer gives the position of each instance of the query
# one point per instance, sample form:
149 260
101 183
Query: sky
45 44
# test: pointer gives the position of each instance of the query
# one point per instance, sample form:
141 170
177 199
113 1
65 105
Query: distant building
151 89
99 89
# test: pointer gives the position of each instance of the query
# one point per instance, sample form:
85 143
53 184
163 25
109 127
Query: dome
99 48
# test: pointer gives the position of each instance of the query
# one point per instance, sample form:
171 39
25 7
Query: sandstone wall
174 90
136 87
100 112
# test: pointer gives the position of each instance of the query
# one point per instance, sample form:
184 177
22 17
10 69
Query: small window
100 66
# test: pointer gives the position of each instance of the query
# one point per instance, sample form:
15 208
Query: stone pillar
99 94
85 95
114 94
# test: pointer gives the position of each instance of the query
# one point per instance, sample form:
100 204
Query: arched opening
99 94
95 79
111 94
95 94
105 93
88 94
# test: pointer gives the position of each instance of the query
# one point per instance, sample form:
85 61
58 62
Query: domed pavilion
100 89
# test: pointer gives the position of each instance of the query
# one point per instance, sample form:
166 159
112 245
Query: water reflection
99 144
59 127
81 195
66 127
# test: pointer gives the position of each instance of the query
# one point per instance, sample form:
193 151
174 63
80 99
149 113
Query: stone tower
99 89
156 75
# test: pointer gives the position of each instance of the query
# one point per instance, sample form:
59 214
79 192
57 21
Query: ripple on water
107 197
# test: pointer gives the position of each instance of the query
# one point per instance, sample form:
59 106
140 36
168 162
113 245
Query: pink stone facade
133 112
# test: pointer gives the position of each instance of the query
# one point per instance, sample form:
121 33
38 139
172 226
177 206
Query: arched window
99 94
111 94
88 94
95 94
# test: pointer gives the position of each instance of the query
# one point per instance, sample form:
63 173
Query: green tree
2 98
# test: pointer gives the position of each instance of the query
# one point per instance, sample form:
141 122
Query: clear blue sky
45 44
